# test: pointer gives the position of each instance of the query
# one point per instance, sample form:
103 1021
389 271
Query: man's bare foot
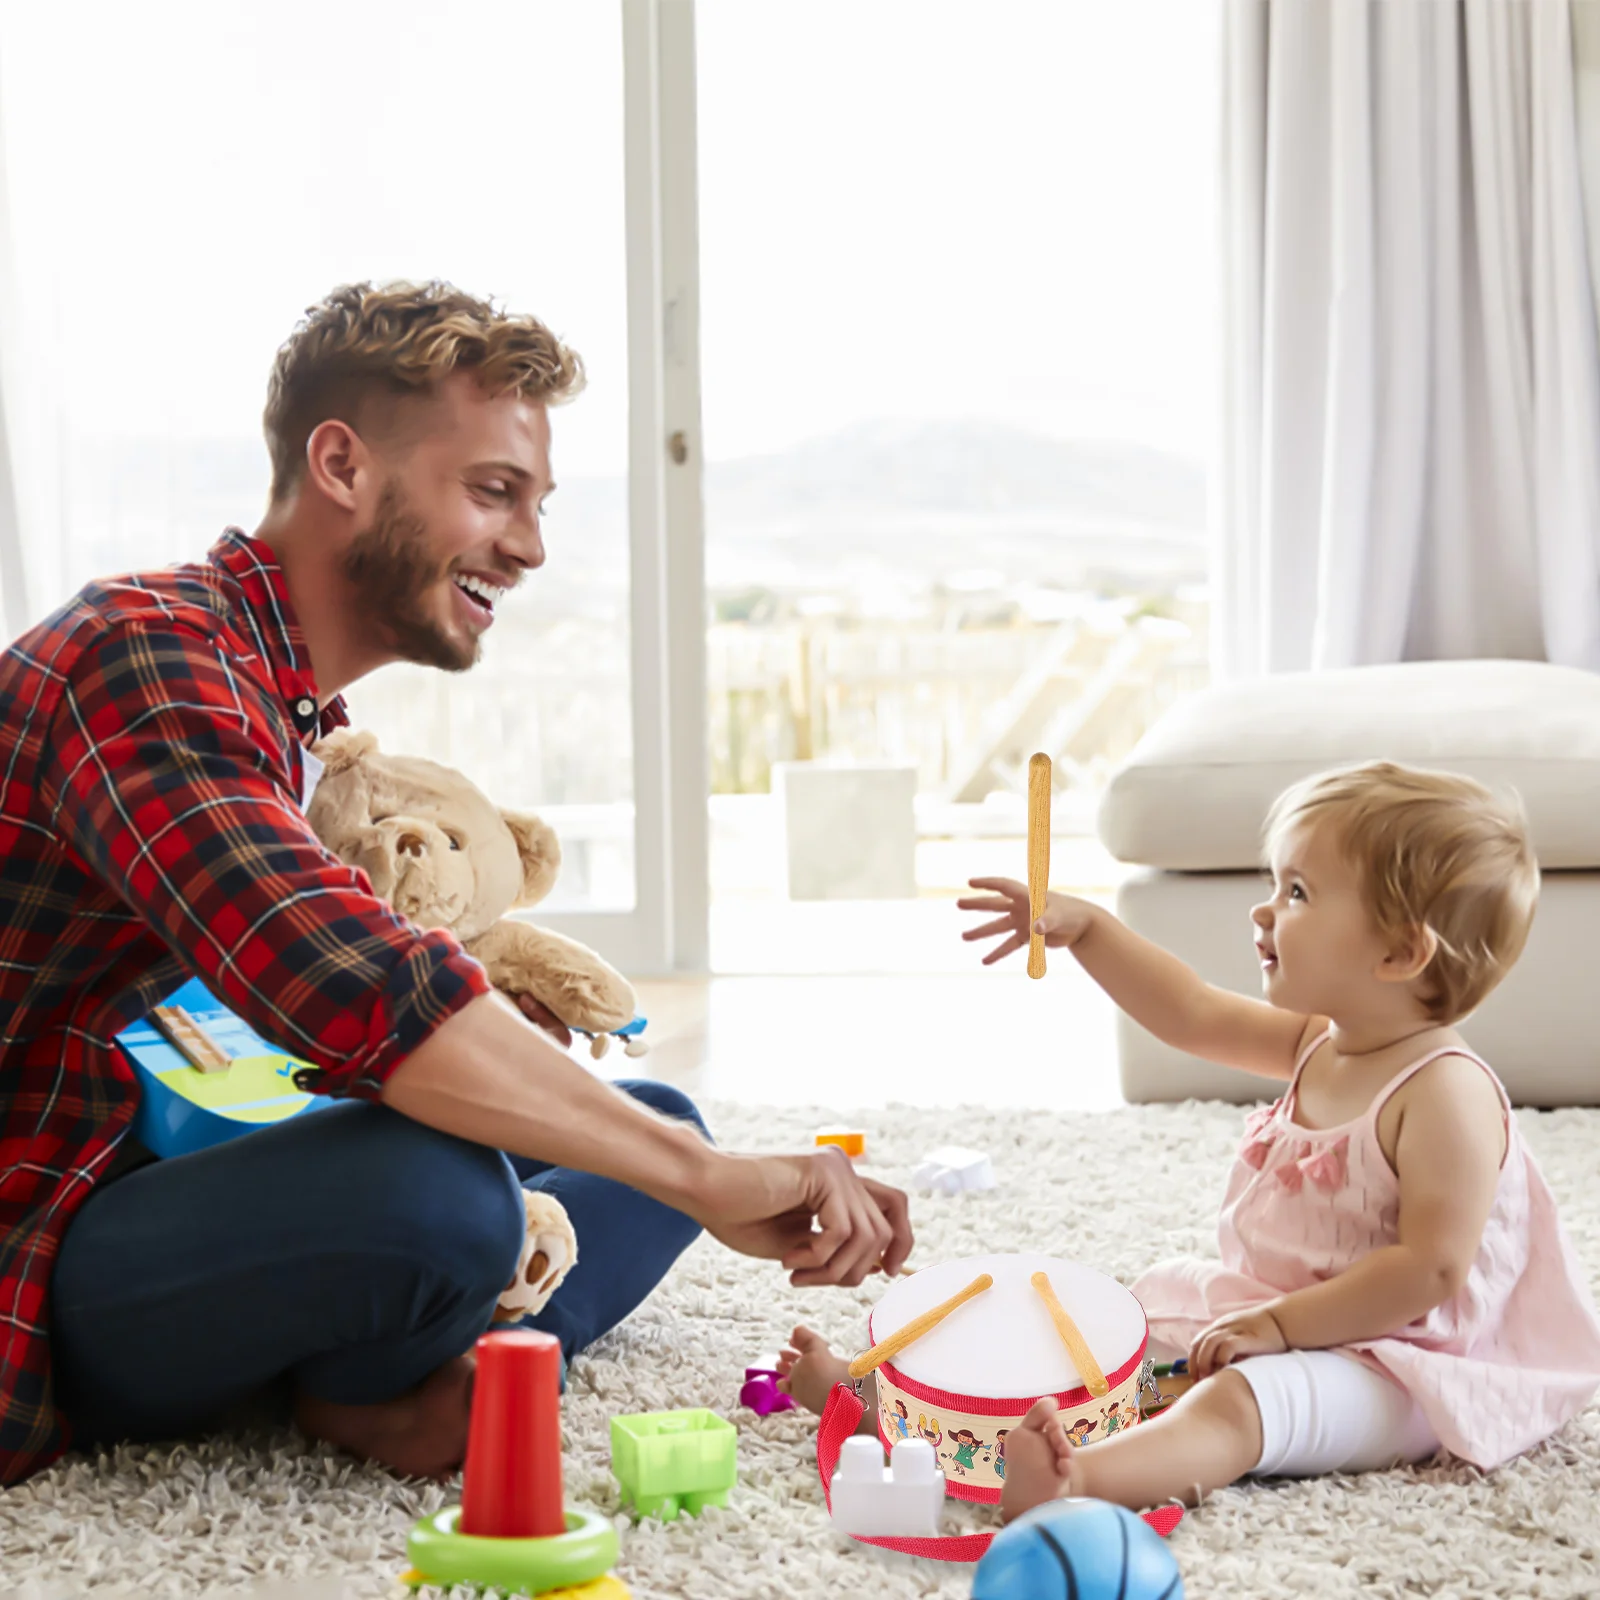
421 1434
810 1369
1039 1463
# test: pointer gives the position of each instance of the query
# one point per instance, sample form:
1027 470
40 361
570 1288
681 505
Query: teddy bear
444 856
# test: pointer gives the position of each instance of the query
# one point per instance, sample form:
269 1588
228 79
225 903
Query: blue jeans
349 1253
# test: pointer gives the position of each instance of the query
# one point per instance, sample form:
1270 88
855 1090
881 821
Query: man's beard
389 564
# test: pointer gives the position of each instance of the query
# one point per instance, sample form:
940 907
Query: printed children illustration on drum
930 1431
1000 1454
967 1445
900 1420
1080 1431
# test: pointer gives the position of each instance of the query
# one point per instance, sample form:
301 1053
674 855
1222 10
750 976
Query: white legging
1323 1411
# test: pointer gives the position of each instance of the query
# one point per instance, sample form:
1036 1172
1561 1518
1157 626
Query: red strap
840 1420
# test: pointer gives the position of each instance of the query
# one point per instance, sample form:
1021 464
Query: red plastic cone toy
511 1485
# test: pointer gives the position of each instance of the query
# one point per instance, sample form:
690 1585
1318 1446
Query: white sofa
1189 803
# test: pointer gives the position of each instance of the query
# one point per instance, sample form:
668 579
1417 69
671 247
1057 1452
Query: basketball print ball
1078 1550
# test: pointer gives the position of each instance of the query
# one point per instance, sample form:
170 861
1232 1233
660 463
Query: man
155 735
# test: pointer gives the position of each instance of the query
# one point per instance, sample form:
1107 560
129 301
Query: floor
874 1003
272 1515
929 1039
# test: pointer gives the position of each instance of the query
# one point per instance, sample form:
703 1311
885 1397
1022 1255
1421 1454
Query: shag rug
266 1514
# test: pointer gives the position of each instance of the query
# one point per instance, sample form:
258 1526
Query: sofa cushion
1195 791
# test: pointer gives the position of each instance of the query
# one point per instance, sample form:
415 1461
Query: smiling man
156 736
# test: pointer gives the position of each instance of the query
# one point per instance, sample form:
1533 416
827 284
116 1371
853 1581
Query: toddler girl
1393 1274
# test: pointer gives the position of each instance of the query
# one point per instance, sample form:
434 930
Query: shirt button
304 707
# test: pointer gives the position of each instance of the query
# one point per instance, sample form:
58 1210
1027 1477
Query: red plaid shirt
150 831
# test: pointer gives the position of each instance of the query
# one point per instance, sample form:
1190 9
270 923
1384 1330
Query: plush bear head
433 844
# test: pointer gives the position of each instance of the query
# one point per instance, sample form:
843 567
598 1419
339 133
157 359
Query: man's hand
812 1212
542 1017
1242 1333
1064 922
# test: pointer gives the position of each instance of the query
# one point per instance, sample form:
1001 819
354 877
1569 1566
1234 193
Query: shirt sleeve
169 776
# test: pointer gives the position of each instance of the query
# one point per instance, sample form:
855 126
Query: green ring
588 1549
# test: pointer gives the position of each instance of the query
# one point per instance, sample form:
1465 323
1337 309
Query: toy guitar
206 1076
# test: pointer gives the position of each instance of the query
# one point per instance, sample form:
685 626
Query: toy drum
969 1380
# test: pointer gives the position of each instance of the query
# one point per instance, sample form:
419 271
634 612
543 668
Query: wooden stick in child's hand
1038 856
1077 1347
914 1330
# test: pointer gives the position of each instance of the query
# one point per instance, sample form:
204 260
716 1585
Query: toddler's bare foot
1039 1463
810 1370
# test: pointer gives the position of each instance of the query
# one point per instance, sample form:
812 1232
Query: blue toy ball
1078 1550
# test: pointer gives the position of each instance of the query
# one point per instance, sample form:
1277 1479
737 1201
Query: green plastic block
672 1461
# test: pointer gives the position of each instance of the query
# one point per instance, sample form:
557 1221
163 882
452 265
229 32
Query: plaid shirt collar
271 618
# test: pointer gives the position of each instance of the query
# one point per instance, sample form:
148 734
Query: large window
954 304
957 387
185 179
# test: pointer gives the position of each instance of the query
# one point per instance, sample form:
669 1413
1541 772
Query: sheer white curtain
1411 416
14 610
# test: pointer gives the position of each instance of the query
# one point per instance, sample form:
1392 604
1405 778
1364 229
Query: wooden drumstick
1082 1356
1038 856
914 1330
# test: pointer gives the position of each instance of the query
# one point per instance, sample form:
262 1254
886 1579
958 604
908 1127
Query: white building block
850 832
952 1168
900 1501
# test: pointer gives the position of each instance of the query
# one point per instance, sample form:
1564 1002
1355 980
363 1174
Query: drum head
1004 1342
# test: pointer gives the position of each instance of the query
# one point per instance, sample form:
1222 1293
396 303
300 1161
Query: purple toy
760 1392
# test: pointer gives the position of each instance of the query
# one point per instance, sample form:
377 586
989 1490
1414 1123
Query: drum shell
930 1411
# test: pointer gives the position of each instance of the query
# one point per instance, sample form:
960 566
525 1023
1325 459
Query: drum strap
841 1419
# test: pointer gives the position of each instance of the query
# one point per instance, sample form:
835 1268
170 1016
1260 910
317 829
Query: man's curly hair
358 351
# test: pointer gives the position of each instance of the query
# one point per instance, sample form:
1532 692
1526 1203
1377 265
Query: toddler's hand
1228 1339
1064 922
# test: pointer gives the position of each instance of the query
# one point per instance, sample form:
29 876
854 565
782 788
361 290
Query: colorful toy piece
851 1140
511 1533
761 1394
1177 1375
901 1501
205 1076
1085 1549
952 1169
672 1461
631 1034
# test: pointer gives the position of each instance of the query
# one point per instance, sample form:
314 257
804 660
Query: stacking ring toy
511 1532
588 1549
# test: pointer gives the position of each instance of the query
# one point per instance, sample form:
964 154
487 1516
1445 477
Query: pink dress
1496 1369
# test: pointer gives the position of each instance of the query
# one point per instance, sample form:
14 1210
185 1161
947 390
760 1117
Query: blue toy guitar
206 1076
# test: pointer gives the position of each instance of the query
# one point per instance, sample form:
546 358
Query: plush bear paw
549 1253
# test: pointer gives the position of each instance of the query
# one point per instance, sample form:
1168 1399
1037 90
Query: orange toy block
851 1140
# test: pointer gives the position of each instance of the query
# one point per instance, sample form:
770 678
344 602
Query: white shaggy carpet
267 1515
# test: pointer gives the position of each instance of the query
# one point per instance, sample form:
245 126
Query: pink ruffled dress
1496 1369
